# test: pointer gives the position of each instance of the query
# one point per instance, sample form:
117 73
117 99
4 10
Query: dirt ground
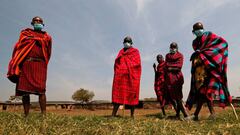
138 112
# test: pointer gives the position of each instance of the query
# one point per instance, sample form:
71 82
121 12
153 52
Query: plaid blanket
27 40
213 52
126 81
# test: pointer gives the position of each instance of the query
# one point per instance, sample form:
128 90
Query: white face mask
127 45
173 50
199 33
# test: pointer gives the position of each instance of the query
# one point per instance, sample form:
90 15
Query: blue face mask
199 33
38 26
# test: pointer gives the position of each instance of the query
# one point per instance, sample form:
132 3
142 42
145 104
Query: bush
83 95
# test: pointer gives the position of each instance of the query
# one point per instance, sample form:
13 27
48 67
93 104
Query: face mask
173 50
38 26
199 33
127 45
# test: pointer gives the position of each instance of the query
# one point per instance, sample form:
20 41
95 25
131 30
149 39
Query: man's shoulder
47 34
179 53
167 55
26 30
132 49
135 48
31 30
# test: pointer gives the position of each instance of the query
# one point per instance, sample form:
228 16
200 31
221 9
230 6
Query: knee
25 97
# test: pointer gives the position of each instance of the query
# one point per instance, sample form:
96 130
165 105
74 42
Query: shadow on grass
161 116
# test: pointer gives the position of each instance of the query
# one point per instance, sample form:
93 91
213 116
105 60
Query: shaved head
128 39
197 26
37 19
173 45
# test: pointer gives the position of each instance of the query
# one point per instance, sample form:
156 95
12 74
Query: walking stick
234 111
233 108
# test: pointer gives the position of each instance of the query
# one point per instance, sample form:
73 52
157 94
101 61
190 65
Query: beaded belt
34 59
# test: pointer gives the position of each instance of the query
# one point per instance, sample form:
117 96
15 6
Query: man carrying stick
159 82
209 71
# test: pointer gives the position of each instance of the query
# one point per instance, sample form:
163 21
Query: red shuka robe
127 74
31 74
159 84
174 79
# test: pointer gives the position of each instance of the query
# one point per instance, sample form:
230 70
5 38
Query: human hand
154 65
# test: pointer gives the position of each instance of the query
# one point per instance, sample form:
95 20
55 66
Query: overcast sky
87 35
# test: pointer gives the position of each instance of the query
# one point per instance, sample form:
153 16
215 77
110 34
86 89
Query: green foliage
52 124
83 95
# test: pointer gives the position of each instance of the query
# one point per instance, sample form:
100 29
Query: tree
83 95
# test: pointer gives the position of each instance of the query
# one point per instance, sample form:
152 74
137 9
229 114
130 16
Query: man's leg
162 107
174 106
26 104
178 111
115 109
42 102
132 110
198 108
181 108
211 109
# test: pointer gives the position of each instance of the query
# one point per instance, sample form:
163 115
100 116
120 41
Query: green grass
53 124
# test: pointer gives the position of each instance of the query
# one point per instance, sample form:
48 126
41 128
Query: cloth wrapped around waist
200 73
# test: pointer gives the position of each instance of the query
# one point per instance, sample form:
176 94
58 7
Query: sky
87 35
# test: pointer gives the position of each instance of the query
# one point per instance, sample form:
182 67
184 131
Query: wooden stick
234 111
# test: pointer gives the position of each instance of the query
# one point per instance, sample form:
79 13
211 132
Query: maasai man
174 78
28 66
209 70
159 83
127 74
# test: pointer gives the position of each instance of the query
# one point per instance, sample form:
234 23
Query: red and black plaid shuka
127 74
29 62
159 83
174 79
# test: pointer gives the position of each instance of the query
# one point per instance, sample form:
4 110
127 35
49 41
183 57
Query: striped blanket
213 52
27 40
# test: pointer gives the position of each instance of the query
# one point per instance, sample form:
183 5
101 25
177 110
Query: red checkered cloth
159 83
31 74
127 74
174 79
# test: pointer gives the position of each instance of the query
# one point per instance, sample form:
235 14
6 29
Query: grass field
55 123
